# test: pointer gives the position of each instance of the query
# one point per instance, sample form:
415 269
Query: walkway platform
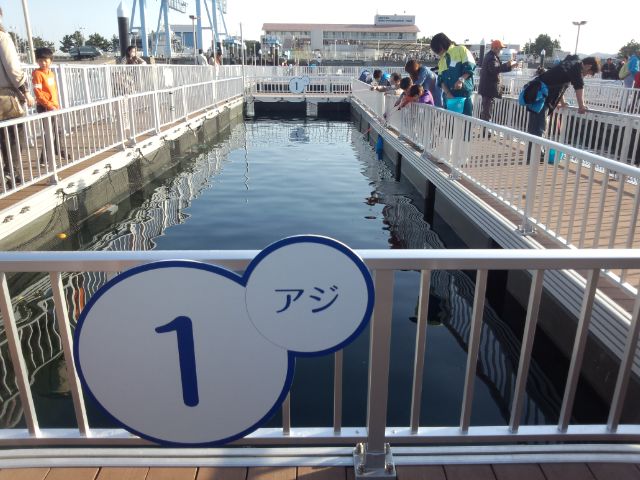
531 471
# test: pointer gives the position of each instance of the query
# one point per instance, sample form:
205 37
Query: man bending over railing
545 92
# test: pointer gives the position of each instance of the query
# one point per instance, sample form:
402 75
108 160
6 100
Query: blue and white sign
298 84
187 353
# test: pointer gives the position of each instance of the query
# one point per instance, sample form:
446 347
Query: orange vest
45 89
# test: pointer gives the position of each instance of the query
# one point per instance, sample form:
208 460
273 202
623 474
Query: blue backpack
534 95
365 76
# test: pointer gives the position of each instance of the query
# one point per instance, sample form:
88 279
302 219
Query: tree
629 49
424 40
39 42
254 45
70 41
115 44
98 41
542 42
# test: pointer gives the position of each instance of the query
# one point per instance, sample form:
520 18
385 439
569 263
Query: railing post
532 155
156 104
121 123
132 122
64 94
17 359
455 151
50 150
374 460
184 103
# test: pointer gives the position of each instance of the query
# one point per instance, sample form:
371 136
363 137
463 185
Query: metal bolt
358 448
361 468
388 468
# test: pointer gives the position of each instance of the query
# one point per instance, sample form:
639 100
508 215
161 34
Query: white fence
38 147
612 135
578 199
383 264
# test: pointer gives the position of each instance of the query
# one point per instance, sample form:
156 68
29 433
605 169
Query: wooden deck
548 471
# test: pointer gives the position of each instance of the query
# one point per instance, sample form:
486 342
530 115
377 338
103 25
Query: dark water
267 179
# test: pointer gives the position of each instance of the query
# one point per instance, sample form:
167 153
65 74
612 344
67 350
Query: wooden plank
72 474
469 472
272 473
172 473
525 471
322 473
422 472
23 473
221 473
615 471
567 471
123 473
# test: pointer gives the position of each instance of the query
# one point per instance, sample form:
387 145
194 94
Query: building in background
390 37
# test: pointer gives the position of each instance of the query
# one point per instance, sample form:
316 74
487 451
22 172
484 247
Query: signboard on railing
188 353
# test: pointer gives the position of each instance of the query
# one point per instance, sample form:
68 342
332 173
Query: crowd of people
450 85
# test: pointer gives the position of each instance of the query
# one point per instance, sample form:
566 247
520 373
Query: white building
388 32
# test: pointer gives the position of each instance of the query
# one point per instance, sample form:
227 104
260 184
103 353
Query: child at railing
417 94
45 89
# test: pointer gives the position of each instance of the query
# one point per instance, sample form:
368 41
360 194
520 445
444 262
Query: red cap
497 44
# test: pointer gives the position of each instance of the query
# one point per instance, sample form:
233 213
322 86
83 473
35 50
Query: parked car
85 51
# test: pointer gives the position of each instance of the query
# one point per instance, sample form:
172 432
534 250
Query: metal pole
167 32
199 29
243 59
143 30
27 23
577 37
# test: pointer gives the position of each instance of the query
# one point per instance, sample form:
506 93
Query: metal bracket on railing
373 465
526 230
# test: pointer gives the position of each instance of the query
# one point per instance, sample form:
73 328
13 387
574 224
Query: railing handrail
379 259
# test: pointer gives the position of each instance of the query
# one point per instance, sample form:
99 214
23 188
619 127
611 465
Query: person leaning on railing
572 71
455 70
13 95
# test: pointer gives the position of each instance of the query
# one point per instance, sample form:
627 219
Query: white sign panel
395 20
298 84
187 353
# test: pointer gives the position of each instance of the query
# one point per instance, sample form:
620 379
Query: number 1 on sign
187 357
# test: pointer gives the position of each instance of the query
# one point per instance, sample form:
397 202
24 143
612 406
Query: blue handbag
534 95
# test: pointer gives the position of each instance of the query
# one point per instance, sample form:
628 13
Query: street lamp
195 40
578 24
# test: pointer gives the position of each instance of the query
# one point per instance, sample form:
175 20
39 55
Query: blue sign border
241 280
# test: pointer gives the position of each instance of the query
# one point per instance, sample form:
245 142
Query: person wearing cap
489 87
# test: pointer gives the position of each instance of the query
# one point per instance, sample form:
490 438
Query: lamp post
578 24
543 52
195 41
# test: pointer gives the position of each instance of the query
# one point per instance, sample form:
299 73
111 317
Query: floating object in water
62 236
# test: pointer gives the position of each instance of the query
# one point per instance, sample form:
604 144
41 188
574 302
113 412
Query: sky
516 22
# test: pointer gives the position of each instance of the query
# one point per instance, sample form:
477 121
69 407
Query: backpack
624 71
365 76
534 95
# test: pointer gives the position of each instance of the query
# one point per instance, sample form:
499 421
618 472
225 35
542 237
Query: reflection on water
262 181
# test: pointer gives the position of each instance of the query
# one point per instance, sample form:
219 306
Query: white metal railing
383 264
275 85
83 84
44 144
612 135
600 94
576 198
